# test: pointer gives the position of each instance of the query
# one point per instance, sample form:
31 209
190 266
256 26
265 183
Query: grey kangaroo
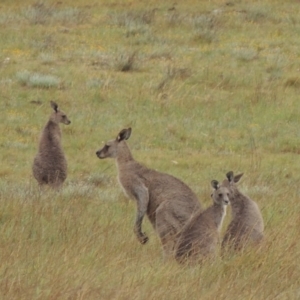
167 201
247 224
200 236
50 165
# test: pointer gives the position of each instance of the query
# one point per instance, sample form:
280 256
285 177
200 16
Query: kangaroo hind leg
167 227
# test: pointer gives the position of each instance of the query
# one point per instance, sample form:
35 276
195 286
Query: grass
207 88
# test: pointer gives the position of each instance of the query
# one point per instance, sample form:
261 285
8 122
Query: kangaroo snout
226 200
98 153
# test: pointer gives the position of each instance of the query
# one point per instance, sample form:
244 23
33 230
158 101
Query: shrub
37 80
126 61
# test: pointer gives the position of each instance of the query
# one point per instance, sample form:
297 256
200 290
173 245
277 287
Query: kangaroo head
58 116
220 193
111 147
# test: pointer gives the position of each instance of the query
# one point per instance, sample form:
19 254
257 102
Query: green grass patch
207 87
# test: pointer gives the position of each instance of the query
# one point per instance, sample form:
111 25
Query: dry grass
214 87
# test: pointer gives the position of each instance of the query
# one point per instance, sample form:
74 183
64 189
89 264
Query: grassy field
207 87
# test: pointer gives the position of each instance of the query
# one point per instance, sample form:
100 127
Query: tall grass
199 106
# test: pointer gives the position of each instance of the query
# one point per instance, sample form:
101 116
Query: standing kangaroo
50 165
200 236
247 224
167 201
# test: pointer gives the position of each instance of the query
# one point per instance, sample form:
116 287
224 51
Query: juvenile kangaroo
247 224
200 236
50 165
167 201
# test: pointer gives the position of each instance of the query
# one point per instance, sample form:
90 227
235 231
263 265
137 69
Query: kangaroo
166 200
50 165
200 236
247 224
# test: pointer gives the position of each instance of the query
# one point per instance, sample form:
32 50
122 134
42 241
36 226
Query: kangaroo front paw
143 239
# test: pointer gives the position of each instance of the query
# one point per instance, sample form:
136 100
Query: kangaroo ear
238 177
215 184
54 106
230 176
124 134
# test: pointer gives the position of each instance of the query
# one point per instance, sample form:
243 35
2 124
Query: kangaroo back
166 200
50 165
247 224
199 237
